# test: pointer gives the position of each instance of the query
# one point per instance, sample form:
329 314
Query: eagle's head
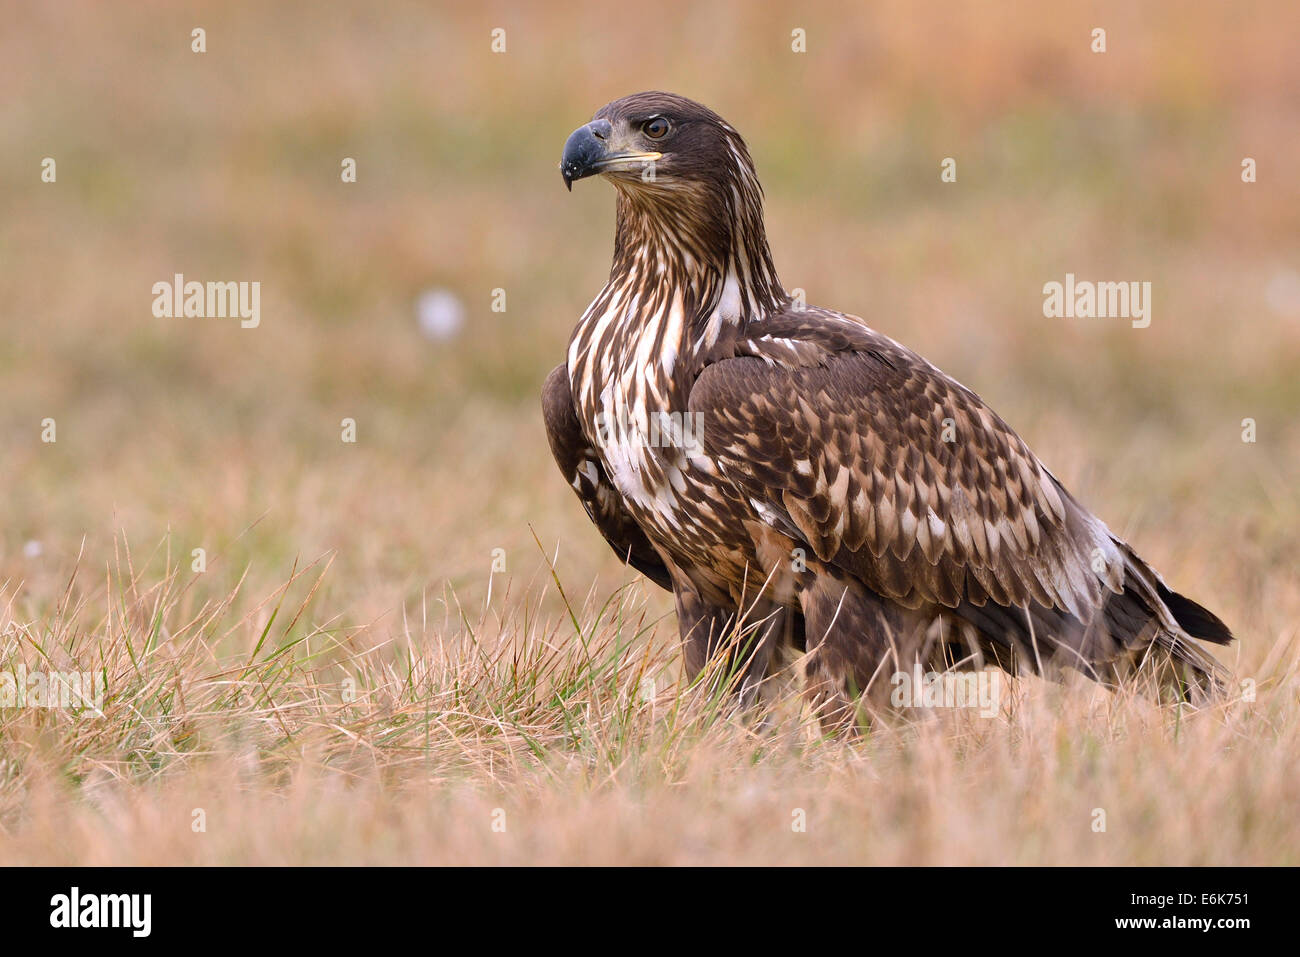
654 143
688 195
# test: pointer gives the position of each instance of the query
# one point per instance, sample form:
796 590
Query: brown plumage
793 475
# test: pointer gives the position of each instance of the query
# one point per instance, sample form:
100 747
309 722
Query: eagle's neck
711 253
689 275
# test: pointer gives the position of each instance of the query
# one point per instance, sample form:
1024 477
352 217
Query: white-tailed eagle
796 477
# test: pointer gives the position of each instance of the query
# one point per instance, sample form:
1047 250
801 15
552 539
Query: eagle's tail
1145 635
1197 620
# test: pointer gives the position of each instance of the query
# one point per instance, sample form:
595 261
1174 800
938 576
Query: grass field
413 648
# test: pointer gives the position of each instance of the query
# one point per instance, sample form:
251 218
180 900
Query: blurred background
225 165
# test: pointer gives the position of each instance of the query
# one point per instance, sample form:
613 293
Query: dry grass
370 563
303 745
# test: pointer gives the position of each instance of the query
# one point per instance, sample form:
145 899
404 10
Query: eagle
803 483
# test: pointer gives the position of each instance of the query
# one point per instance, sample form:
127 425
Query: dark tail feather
1197 621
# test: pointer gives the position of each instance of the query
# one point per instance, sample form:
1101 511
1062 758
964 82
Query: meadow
413 647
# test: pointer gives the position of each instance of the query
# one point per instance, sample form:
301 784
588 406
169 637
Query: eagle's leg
856 644
741 648
703 628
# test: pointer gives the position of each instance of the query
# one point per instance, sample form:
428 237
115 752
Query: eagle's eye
655 128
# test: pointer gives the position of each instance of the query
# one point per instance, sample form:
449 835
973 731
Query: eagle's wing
581 468
889 469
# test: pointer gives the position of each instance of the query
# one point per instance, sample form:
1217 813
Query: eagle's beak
589 150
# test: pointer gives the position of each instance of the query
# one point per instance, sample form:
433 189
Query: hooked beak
589 151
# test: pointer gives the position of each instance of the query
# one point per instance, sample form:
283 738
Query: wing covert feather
902 476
